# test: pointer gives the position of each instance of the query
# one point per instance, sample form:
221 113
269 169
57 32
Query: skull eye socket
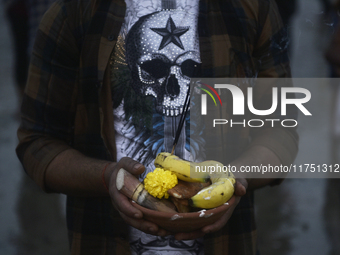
190 68
157 68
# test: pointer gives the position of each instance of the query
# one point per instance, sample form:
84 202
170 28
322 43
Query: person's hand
130 214
240 190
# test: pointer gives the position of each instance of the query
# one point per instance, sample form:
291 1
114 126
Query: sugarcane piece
131 187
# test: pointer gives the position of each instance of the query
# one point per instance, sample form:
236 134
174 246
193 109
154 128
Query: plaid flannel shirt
68 103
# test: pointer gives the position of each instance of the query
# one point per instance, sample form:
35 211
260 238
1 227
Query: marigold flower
158 182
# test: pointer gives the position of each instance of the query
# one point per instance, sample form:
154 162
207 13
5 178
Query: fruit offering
205 192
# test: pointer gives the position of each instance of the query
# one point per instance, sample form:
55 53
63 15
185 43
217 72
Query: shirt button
110 38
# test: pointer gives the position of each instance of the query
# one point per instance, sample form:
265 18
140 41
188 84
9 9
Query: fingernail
151 229
162 233
137 166
136 215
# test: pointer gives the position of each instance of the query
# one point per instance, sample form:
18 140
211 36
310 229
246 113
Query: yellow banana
179 167
218 193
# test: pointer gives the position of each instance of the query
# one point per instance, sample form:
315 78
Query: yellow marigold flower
158 182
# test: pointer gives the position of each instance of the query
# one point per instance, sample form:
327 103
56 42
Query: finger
218 224
141 224
163 232
241 187
223 220
189 236
134 167
145 226
123 204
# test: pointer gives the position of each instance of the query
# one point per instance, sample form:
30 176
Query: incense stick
182 120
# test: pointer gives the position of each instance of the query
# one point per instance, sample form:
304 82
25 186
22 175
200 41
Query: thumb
131 166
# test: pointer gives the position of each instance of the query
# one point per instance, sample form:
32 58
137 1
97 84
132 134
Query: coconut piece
186 190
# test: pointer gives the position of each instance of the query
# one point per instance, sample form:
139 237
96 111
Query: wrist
106 175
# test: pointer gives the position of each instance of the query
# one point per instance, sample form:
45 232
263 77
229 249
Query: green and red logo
204 97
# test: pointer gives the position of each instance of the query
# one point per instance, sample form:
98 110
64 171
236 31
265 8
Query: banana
179 167
218 193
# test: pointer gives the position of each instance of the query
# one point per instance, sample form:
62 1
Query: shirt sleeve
271 52
48 107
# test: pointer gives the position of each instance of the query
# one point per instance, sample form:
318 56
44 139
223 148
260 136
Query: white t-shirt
155 56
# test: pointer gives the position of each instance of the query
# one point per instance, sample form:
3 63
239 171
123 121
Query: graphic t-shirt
156 54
